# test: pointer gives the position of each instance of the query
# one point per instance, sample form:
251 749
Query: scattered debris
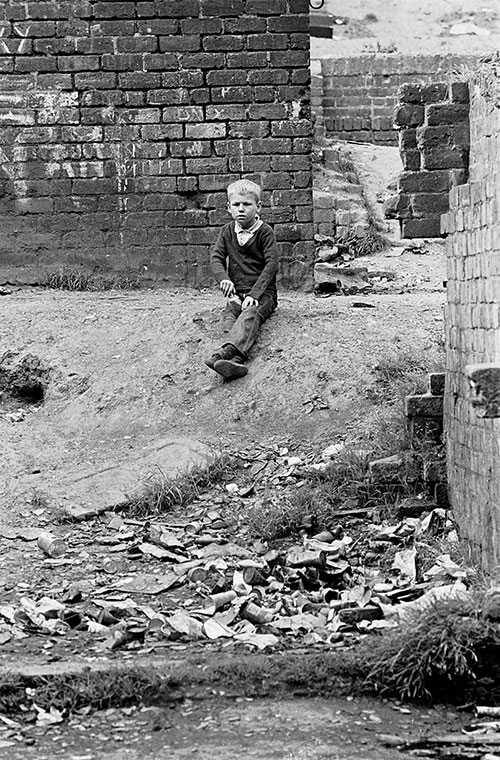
126 583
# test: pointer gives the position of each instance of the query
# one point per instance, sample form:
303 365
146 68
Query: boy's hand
249 301
227 288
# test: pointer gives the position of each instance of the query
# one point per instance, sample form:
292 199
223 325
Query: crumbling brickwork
473 329
433 124
359 94
121 123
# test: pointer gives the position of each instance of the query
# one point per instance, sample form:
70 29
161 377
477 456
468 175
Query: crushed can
51 545
256 614
306 558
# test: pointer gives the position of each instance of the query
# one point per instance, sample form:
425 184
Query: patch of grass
372 241
325 493
76 280
278 518
161 494
120 688
443 654
403 372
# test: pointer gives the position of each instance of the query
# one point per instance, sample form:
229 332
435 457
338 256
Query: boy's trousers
242 327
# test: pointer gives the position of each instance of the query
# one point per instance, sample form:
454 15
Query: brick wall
473 329
121 123
433 125
359 94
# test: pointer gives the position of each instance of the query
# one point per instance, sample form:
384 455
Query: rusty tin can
51 545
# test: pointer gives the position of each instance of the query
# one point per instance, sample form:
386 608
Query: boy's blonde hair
244 187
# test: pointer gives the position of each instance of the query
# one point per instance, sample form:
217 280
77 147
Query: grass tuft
161 494
72 279
371 241
443 654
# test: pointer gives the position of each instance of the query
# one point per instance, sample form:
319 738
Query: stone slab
90 491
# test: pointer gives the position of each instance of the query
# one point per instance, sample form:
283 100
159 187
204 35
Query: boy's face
243 209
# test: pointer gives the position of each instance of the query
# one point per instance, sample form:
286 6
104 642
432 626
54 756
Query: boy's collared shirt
244 235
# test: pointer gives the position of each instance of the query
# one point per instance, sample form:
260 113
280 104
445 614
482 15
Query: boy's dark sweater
251 267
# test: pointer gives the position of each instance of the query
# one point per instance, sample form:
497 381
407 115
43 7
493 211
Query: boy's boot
226 352
231 368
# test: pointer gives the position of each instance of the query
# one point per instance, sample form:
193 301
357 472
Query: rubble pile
199 578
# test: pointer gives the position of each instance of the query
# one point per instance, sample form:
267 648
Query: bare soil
411 27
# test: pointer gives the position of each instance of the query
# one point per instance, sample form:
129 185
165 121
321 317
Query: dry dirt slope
128 389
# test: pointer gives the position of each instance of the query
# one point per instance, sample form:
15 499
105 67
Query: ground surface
127 393
218 729
409 27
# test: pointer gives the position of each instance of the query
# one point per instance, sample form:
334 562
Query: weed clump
72 279
161 494
443 653
345 483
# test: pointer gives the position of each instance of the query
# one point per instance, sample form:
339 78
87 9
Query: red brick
266 7
192 148
180 43
206 165
263 94
222 7
204 61
114 9
182 113
225 112
201 26
289 59
112 28
245 25
123 62
224 42
157 26
291 163
105 115
168 97
188 218
216 182
94 45
101 80
47 10
34 63
268 76
267 42
35 29
246 60
277 180
231 94
134 98
299 42
78 63
182 78
160 61
13 47
289 24
227 77
142 44
289 128
139 80
269 111
245 129
250 164
271 145
179 8
162 132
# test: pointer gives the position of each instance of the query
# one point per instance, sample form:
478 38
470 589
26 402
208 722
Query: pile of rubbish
145 584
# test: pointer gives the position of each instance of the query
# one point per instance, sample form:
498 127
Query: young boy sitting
244 260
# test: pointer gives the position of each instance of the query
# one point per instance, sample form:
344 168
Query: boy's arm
270 266
218 259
